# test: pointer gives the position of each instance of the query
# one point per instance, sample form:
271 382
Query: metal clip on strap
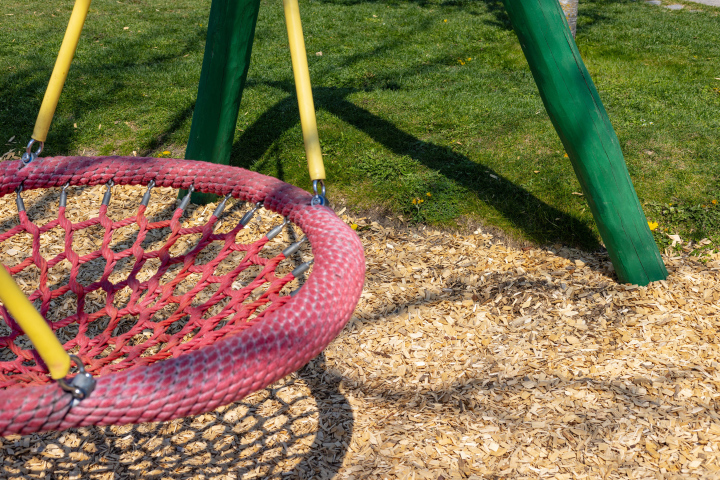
318 198
18 199
146 198
108 193
289 251
221 206
63 195
302 268
81 385
276 230
249 215
186 199
29 155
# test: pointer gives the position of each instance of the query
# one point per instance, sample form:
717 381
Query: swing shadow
542 221
478 395
299 428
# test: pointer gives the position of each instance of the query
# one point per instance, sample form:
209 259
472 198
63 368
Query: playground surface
467 357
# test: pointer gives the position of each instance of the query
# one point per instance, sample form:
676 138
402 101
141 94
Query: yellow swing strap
60 72
304 90
34 325
40 334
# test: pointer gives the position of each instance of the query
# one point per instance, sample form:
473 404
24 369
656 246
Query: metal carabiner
29 155
81 385
318 198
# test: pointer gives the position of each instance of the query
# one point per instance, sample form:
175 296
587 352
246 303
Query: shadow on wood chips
297 428
466 358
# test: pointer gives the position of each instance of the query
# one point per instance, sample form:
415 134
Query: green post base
231 30
578 115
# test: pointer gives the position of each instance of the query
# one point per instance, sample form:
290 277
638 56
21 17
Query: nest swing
181 351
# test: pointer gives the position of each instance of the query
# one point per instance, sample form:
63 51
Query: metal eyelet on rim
318 198
29 155
81 385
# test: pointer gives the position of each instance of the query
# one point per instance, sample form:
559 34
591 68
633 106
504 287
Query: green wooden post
578 115
231 30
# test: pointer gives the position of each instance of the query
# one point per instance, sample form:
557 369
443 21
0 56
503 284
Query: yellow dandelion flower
354 226
166 152
430 194
415 201
714 202
652 225
445 20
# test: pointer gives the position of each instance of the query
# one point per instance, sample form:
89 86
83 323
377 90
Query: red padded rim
231 368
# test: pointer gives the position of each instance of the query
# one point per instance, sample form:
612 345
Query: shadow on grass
538 220
468 7
21 92
589 14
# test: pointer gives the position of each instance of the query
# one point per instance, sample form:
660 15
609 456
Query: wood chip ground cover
466 358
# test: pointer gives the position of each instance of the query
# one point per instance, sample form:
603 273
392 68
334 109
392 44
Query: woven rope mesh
117 301
125 285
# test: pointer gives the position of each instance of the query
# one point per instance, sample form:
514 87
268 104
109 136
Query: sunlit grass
413 97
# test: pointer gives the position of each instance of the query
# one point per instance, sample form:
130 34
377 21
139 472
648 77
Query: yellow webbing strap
304 91
60 72
36 328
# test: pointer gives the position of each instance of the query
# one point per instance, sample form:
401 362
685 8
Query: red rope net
178 318
159 313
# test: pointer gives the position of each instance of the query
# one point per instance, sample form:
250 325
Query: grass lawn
416 100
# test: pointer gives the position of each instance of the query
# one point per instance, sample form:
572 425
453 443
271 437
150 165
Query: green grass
413 97
695 228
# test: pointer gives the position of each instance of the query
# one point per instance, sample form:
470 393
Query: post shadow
492 187
495 7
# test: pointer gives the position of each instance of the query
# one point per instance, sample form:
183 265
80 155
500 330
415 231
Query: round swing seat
185 336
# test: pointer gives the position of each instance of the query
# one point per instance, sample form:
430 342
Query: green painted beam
231 29
578 115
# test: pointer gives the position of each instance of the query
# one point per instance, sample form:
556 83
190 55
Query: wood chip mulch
467 358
